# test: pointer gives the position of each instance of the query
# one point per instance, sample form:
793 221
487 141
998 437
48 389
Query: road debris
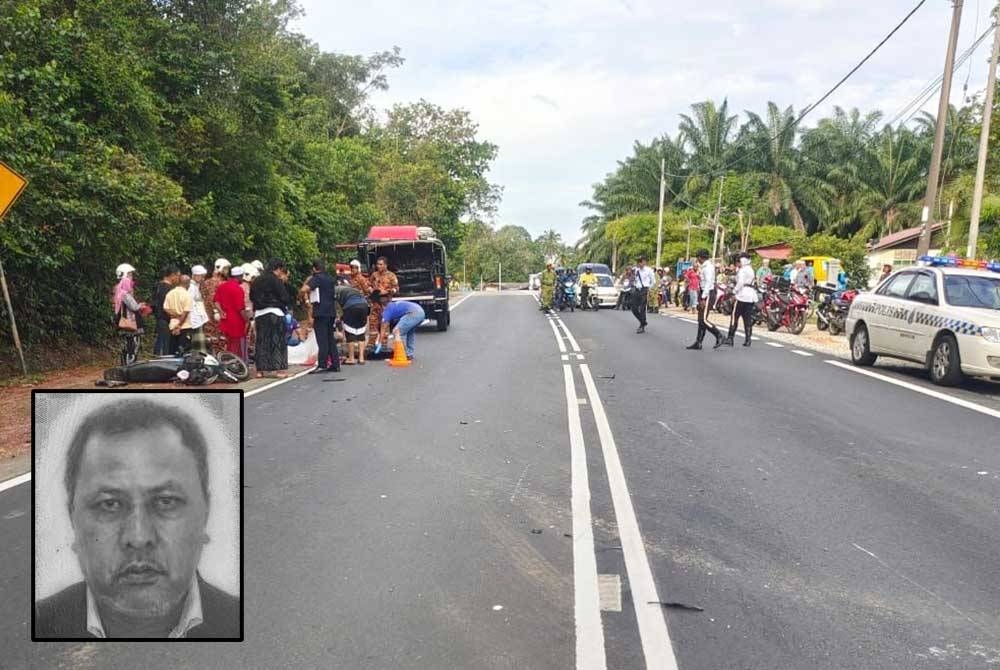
676 606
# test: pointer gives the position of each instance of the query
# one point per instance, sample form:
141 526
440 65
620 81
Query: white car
607 292
941 315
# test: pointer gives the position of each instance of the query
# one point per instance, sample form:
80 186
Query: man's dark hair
701 253
642 259
319 265
134 415
383 258
275 264
169 270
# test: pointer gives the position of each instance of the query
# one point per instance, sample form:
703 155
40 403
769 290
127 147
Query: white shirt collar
191 615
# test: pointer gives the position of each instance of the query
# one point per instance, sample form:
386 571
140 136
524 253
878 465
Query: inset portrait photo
137 526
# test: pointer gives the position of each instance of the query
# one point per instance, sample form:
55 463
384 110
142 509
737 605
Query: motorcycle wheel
773 321
594 302
836 327
822 323
796 322
234 365
726 307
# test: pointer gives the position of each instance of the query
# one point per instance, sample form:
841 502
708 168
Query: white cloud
565 86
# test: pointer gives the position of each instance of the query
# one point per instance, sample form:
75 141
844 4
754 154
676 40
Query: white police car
943 313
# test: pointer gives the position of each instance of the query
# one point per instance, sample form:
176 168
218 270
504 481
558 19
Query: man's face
197 279
380 265
174 278
139 519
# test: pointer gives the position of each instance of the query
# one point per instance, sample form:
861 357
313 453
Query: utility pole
984 141
718 213
659 227
927 224
687 252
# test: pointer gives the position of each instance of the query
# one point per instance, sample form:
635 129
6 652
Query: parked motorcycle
841 305
725 298
190 368
787 309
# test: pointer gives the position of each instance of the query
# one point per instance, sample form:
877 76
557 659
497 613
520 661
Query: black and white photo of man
136 479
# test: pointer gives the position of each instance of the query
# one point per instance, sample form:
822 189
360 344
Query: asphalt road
437 517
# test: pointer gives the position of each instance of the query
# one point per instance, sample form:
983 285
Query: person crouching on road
643 279
355 310
269 295
403 317
706 298
746 301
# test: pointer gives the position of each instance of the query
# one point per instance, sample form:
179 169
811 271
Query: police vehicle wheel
945 368
443 321
861 353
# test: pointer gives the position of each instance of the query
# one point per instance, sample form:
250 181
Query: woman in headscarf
271 300
125 304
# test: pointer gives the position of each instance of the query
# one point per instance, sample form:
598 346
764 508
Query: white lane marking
920 389
461 300
801 353
581 401
610 587
688 320
776 345
569 335
754 338
587 607
653 633
559 339
279 382
15 481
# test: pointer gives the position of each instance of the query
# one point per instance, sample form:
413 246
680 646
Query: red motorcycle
786 307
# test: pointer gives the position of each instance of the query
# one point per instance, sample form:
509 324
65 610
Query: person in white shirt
706 298
199 315
643 278
746 300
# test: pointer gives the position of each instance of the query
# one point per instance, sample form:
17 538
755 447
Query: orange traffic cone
399 359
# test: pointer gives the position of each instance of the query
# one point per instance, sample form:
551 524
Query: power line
932 88
826 95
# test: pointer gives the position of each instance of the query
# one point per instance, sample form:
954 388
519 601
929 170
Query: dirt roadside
15 408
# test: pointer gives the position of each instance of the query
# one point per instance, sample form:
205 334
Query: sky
564 88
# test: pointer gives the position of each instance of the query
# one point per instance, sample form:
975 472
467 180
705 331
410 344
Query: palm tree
776 160
888 175
706 136
550 242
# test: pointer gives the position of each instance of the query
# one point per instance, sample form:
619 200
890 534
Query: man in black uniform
706 299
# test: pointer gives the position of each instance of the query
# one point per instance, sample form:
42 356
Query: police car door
923 298
890 313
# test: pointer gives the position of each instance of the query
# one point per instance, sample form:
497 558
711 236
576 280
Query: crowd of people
249 310
644 289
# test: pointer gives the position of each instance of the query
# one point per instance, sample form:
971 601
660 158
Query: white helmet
123 270
221 263
258 265
249 272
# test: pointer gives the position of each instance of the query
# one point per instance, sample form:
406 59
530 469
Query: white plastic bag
305 352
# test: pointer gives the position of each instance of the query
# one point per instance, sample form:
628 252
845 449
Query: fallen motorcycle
193 368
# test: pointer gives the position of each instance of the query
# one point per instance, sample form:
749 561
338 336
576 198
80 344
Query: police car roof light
955 262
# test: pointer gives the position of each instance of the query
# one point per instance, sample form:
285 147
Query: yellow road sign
11 185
